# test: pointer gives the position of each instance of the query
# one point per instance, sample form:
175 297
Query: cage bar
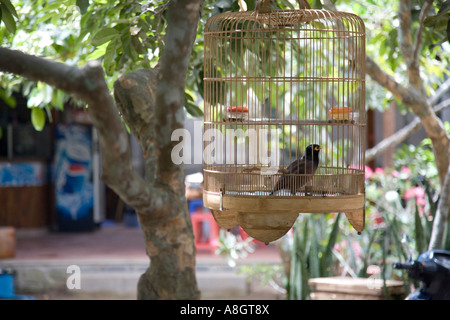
276 81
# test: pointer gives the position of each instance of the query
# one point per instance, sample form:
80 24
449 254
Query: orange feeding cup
340 113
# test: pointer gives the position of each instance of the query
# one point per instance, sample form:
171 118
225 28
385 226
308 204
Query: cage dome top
267 17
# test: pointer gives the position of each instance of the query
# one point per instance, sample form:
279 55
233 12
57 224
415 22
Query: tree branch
409 96
141 97
88 84
442 90
412 63
440 223
404 32
134 93
401 135
418 103
181 31
418 42
415 98
58 75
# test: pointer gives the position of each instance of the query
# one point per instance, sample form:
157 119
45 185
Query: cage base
227 219
304 204
266 226
268 219
357 219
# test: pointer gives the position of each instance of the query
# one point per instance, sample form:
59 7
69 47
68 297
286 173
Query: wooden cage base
268 219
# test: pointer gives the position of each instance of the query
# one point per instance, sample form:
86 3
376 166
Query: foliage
37 32
440 23
400 207
127 35
382 32
267 274
124 35
233 247
7 14
311 252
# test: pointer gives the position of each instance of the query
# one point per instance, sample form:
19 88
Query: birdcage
275 82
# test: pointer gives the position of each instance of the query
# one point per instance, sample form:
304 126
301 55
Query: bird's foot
308 190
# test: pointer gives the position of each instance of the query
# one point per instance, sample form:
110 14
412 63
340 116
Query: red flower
368 172
419 194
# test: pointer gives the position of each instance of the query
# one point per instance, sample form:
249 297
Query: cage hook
265 5
221 199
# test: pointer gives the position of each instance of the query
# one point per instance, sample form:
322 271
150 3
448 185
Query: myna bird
306 165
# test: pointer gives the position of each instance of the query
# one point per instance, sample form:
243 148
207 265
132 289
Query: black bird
306 165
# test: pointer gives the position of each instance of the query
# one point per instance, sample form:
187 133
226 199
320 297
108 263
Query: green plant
400 207
233 247
311 252
308 251
267 274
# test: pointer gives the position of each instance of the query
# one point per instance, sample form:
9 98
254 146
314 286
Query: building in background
49 179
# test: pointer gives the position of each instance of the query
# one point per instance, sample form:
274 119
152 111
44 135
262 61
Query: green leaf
45 17
126 44
88 24
433 20
317 4
110 53
448 30
51 7
314 261
286 4
325 261
305 236
8 99
58 99
419 232
83 5
295 289
137 45
9 7
444 8
38 118
8 19
104 35
98 52
193 110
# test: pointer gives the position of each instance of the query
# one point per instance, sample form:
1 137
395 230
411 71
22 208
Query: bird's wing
294 166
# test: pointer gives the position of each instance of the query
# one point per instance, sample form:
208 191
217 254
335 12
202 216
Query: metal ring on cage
303 4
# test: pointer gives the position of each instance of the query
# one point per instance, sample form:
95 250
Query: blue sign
73 177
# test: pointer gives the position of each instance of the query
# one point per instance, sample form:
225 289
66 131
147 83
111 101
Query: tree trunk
389 127
171 249
151 101
165 219
441 220
415 98
159 198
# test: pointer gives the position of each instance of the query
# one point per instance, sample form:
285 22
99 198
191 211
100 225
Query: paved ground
111 260
106 242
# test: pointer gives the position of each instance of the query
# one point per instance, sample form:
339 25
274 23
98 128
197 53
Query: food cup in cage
237 113
340 113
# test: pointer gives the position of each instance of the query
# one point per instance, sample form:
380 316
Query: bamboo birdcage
276 81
